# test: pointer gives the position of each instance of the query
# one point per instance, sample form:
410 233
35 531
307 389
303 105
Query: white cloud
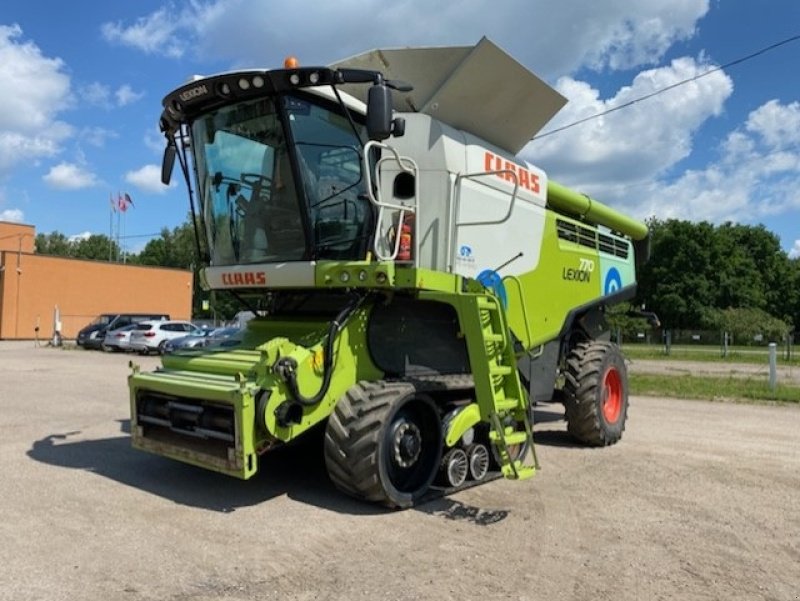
755 175
794 253
96 94
553 37
148 179
81 236
97 136
153 34
99 94
36 89
68 176
125 95
638 143
776 124
12 215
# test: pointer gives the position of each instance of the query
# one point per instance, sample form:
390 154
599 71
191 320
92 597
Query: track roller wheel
454 468
596 393
478 459
383 443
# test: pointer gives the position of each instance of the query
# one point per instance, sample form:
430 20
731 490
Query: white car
119 339
152 336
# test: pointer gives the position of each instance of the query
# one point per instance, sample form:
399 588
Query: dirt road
698 501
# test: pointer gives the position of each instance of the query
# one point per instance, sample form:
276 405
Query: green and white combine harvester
418 288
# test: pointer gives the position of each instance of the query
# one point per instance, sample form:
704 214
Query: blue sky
83 81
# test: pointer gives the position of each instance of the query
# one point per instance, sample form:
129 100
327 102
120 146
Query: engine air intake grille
591 238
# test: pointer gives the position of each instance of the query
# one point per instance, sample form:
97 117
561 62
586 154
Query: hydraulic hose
287 366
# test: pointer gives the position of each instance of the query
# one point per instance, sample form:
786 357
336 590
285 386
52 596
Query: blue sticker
465 251
613 281
492 280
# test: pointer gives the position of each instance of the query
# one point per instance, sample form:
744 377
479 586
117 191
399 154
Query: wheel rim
413 447
456 467
612 395
478 461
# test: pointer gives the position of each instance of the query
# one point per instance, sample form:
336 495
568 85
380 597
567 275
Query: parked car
208 337
152 336
93 335
119 339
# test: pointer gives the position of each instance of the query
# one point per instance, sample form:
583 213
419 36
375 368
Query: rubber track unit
354 431
586 368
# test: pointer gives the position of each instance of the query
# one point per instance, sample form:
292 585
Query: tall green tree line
698 273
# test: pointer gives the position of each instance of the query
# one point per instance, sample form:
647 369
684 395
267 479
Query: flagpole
118 220
110 227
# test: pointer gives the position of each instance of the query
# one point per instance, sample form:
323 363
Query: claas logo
525 179
244 278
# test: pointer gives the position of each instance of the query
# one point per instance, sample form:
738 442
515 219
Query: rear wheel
383 443
596 393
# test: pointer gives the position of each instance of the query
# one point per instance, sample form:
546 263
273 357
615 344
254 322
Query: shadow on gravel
548 413
297 471
457 511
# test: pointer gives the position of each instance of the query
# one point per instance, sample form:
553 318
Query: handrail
407 165
457 205
523 307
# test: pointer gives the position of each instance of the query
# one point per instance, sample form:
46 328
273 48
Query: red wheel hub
612 395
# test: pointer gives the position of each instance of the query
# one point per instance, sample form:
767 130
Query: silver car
152 336
119 339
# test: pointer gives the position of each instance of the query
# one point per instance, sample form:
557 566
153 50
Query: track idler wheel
478 461
455 467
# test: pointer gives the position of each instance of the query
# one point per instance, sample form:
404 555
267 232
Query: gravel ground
698 501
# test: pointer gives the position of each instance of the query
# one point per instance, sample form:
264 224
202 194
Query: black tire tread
352 437
582 382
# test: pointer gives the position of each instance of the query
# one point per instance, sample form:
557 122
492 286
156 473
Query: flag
124 201
113 204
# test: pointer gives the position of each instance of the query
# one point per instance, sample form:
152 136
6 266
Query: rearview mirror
379 112
168 163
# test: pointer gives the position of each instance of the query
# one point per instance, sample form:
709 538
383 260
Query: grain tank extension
417 287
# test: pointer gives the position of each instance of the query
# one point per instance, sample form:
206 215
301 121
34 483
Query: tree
97 246
55 243
697 270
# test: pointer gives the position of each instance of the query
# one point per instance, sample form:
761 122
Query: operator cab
279 168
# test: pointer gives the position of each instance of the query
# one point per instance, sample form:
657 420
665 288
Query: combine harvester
418 287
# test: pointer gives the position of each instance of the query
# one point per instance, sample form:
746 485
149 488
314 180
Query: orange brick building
32 287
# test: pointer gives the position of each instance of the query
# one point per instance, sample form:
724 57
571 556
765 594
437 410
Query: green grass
711 388
708 353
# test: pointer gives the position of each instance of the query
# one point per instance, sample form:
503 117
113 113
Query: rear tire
596 393
383 443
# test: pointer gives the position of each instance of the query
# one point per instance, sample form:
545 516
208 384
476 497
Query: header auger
418 287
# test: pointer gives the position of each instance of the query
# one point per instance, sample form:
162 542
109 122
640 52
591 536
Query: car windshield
102 320
247 172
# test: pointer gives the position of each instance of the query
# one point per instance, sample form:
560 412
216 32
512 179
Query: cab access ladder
501 399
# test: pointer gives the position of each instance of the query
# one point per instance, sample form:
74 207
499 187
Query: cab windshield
272 195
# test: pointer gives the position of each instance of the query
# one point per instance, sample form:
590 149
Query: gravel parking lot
698 501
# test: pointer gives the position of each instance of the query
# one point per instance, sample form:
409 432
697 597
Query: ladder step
493 337
506 404
518 471
500 370
516 438
485 302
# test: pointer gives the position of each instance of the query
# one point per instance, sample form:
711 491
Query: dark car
93 335
207 338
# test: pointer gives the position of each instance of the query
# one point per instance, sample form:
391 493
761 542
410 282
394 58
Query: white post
773 366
